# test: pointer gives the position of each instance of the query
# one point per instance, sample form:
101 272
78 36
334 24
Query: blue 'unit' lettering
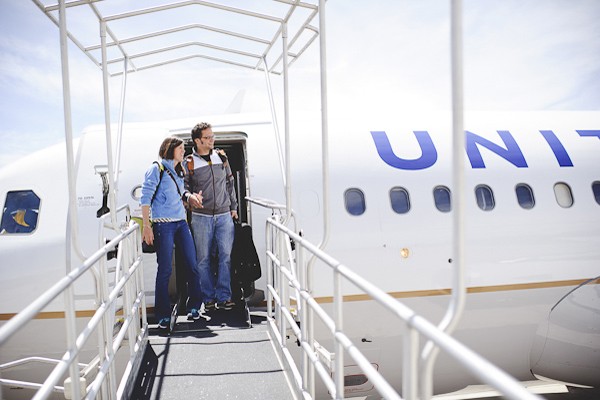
512 153
589 133
427 159
559 150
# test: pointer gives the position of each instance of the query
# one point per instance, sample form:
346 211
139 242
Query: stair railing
126 293
329 366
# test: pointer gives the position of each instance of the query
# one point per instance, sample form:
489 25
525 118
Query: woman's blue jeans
167 234
210 232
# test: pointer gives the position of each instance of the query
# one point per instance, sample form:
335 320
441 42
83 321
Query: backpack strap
190 160
161 168
190 164
176 185
222 155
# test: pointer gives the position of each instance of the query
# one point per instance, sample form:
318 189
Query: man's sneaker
210 306
164 323
193 314
225 305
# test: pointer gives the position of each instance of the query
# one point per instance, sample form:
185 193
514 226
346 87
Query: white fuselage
519 262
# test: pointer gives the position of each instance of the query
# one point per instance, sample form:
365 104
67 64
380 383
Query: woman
163 194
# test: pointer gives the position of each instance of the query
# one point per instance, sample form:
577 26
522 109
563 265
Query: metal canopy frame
119 39
265 36
249 45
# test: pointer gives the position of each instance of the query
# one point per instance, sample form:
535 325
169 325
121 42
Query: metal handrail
274 206
134 326
280 278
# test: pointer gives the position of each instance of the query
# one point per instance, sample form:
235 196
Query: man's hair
197 131
167 148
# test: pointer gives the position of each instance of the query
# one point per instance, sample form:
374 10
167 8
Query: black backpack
245 263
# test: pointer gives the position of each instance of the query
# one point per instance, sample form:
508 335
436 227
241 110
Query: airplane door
235 148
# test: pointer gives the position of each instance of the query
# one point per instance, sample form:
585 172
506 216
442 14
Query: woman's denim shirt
167 203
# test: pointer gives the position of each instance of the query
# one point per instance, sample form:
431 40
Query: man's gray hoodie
215 180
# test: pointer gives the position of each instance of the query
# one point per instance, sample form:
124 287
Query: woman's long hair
167 152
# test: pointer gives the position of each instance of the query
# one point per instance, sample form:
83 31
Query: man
212 223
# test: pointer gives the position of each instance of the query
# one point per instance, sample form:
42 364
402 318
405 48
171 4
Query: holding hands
195 199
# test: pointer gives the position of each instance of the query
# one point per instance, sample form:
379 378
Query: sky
385 57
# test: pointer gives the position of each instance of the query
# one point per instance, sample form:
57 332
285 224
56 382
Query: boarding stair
216 358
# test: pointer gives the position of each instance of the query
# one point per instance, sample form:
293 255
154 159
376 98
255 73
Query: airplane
532 192
533 188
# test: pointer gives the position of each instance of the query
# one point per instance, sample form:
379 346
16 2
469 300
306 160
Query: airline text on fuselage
511 152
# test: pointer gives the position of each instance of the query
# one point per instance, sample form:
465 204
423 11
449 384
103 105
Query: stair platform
222 357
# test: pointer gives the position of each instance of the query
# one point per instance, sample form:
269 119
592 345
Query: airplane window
441 196
354 200
596 190
20 212
525 196
563 194
485 197
400 200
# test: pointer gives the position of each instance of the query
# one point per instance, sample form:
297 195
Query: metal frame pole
457 301
72 221
302 313
286 112
458 168
271 248
275 124
410 363
310 328
281 283
338 316
70 239
324 126
121 119
109 157
324 121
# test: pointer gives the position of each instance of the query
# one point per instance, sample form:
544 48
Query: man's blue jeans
217 231
165 235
